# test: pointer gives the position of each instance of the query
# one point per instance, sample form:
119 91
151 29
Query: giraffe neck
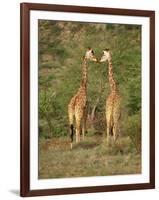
84 74
112 83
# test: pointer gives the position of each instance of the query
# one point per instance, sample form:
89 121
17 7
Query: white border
86 181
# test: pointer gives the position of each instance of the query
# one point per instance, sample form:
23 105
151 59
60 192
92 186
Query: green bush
133 130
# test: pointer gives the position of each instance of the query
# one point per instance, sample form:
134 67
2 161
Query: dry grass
91 157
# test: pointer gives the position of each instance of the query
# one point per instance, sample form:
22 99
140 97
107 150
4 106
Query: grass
91 157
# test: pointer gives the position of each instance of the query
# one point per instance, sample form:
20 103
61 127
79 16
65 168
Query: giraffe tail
71 134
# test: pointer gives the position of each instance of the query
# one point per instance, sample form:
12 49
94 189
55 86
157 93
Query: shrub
133 130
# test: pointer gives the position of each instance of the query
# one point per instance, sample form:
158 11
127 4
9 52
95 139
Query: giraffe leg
71 125
108 135
78 128
78 117
116 118
109 109
114 132
76 133
109 124
116 129
71 117
84 128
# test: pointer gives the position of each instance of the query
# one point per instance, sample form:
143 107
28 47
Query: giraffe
113 101
77 107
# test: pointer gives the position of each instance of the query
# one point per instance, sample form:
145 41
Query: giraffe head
89 55
106 56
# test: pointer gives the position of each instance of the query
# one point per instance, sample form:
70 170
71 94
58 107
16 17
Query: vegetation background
61 48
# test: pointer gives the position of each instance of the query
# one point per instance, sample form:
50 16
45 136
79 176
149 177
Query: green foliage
50 112
47 106
133 130
134 101
61 48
